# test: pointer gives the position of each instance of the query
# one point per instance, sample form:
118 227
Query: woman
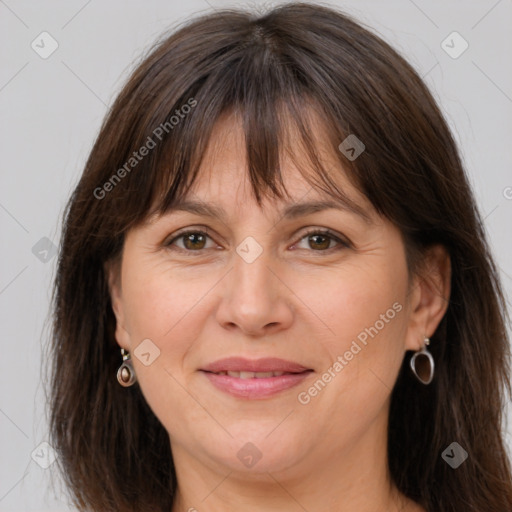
275 250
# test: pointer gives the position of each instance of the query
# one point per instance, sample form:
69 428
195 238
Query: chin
257 453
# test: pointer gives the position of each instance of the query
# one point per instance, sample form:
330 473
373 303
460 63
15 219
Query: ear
429 296
113 273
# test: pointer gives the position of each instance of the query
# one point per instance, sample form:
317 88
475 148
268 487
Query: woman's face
256 286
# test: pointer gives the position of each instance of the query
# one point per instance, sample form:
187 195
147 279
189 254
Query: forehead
224 175
222 188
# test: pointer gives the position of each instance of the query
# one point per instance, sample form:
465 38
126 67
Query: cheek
365 311
356 304
169 308
158 300
165 310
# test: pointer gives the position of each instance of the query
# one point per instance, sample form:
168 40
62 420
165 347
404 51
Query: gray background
51 110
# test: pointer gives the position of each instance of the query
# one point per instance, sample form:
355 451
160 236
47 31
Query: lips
254 379
265 365
251 375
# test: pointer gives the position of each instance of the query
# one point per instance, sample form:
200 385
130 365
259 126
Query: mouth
255 379
251 375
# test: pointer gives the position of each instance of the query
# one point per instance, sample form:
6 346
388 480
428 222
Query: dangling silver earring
422 364
125 374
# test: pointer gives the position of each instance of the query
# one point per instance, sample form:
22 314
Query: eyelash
324 232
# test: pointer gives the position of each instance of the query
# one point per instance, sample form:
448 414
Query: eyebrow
291 211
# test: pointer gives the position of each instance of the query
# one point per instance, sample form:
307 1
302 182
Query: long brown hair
113 452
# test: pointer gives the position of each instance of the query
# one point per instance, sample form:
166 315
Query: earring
422 364
126 374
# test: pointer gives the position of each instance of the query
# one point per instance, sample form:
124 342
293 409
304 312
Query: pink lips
240 383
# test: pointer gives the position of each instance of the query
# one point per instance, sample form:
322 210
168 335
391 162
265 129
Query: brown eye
194 241
322 241
191 241
319 241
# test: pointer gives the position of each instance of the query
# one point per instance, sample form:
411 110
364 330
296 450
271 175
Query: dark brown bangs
278 115
275 85
271 136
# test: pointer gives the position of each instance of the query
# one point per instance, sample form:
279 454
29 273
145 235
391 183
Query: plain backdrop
51 109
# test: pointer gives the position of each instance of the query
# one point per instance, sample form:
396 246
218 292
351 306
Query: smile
251 375
254 379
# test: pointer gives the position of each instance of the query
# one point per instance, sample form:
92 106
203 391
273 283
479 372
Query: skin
298 301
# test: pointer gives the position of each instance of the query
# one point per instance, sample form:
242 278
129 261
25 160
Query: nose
255 298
